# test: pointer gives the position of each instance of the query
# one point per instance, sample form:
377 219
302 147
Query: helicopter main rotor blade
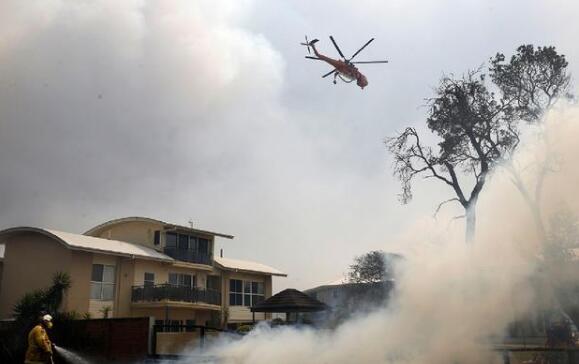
338 48
360 50
329 73
368 62
310 57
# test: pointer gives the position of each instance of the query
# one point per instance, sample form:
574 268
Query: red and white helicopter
343 68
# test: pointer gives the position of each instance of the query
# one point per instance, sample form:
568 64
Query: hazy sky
207 110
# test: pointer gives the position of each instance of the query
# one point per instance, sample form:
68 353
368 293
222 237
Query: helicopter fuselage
344 69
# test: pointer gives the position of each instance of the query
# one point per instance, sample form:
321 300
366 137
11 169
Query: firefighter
39 346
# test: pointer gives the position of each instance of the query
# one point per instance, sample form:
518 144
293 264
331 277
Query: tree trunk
539 224
532 203
470 211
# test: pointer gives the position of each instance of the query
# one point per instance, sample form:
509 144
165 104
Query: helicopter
344 68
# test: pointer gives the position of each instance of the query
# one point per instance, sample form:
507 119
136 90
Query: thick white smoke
453 301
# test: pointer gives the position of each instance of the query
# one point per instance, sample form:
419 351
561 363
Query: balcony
187 255
162 292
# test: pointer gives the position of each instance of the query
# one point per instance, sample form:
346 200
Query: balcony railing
170 292
188 256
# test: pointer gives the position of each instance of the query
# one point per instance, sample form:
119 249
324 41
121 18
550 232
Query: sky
207 111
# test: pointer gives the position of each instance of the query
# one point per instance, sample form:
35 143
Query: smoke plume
453 301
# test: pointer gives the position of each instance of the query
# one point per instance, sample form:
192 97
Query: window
168 326
203 246
171 240
149 279
102 285
193 243
159 324
174 326
157 237
183 242
182 280
235 292
245 293
253 293
213 283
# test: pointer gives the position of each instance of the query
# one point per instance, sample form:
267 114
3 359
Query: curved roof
92 244
154 221
290 300
247 266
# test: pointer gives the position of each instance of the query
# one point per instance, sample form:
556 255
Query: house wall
137 232
77 297
126 279
30 262
143 233
237 314
162 270
174 313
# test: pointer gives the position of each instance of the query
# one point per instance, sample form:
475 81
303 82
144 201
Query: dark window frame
235 292
149 281
171 239
181 278
97 280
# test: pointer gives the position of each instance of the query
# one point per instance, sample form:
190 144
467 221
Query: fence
110 339
117 339
178 340
540 356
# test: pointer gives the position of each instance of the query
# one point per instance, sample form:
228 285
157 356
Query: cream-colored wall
162 270
30 261
77 297
138 232
95 308
126 279
241 313
183 314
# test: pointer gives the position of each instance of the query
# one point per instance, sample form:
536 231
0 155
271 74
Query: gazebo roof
290 300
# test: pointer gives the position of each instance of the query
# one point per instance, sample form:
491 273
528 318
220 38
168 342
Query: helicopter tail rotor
309 44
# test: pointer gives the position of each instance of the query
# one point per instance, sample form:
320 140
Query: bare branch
443 203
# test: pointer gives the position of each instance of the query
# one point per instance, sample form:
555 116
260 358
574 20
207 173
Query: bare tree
478 128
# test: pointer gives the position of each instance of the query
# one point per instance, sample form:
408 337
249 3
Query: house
342 295
135 267
372 288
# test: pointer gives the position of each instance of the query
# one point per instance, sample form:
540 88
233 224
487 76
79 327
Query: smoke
453 301
183 110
